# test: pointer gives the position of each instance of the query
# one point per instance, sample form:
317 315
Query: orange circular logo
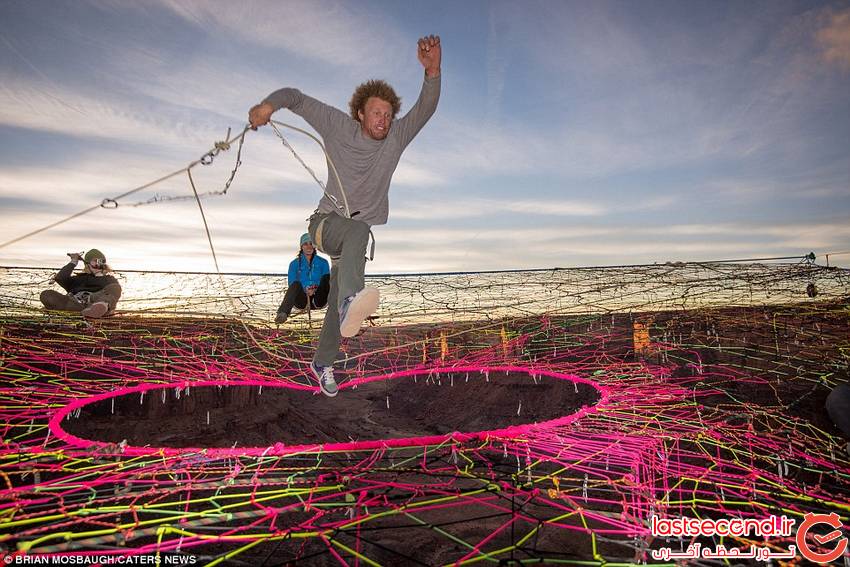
811 520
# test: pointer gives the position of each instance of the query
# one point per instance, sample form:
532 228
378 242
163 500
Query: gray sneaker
96 310
356 309
325 376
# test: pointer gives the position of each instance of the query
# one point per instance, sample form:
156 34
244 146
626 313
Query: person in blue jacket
309 277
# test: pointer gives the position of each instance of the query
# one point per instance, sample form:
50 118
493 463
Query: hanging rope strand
204 218
331 165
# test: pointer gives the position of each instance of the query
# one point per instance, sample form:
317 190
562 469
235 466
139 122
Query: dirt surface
213 416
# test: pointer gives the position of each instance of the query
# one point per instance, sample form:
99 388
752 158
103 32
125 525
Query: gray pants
345 241
57 301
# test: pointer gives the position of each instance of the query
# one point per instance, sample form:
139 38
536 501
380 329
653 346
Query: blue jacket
306 272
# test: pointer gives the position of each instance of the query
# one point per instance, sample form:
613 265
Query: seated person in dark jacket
94 292
308 277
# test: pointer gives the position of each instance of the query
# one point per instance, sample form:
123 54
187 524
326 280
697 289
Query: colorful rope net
501 418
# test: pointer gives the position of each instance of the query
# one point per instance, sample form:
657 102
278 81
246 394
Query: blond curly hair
377 88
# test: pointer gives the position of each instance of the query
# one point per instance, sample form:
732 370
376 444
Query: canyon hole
232 414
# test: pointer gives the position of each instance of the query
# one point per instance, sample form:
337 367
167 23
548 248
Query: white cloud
105 117
457 147
456 208
333 33
834 39
448 249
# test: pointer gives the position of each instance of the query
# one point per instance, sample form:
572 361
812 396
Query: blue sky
568 133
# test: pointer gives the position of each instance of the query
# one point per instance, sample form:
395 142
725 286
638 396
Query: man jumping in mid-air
365 148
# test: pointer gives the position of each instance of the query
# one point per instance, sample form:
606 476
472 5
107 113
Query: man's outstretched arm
429 52
323 118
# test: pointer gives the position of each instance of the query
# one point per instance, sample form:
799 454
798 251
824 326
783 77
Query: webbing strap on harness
318 238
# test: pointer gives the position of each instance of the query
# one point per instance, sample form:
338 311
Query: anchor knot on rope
218 147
